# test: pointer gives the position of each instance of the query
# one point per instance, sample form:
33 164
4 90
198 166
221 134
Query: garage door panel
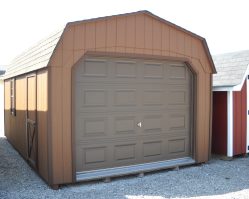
152 149
177 122
125 97
177 72
94 68
178 97
153 70
125 125
94 97
178 147
126 69
153 97
153 124
131 111
94 127
125 152
94 157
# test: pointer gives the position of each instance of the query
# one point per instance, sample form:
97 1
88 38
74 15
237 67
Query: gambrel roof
39 55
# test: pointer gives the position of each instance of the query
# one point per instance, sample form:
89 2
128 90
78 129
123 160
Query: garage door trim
122 170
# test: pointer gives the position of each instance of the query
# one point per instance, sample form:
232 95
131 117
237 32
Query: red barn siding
239 121
219 136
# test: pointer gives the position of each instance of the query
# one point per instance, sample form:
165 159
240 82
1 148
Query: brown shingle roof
35 57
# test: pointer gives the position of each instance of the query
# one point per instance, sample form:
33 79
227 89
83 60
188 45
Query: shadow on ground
219 179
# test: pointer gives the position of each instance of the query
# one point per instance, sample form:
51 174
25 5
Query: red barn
230 104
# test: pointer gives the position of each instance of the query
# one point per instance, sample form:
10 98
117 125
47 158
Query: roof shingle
35 57
231 68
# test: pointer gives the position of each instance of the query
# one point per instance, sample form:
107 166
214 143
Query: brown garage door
131 115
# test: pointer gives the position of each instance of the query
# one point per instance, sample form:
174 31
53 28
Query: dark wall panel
219 134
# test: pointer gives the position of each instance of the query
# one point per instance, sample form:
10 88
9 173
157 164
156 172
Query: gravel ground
216 179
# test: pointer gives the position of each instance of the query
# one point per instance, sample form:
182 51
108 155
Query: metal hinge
248 112
248 148
247 76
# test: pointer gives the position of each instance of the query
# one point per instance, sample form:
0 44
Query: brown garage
111 96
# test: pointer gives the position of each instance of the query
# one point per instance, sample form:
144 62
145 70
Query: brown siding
7 116
19 133
42 114
239 121
15 126
55 96
143 35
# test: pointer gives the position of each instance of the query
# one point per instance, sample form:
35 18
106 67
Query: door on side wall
32 142
131 112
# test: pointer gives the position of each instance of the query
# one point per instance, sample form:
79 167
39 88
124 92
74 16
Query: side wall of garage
140 34
15 125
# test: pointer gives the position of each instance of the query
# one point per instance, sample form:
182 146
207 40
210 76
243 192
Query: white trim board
229 123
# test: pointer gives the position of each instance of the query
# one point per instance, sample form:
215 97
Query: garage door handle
139 124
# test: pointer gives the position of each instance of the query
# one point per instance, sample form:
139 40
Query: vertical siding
100 34
139 39
68 48
90 42
203 110
7 109
187 46
79 33
19 125
207 108
56 124
172 41
15 126
66 119
200 138
130 33
180 42
42 115
121 32
219 129
239 121
110 35
157 37
148 35
140 34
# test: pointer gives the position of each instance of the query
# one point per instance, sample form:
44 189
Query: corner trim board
230 123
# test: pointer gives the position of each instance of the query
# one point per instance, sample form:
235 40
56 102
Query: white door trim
230 123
